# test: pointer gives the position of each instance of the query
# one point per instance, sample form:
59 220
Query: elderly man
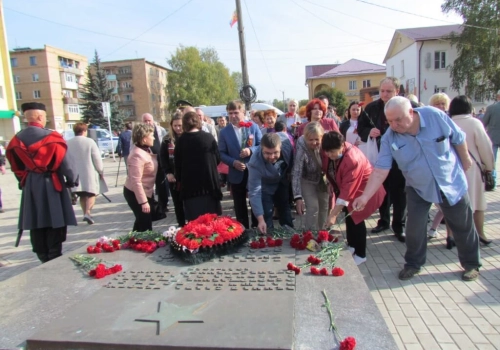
269 178
431 151
491 121
205 124
374 124
161 183
221 124
237 142
38 159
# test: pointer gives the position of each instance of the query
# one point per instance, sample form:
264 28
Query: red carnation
271 243
296 270
295 238
323 271
312 259
97 250
314 270
116 268
92 273
254 245
100 274
322 236
90 249
98 244
290 266
116 242
262 244
241 124
262 240
348 343
278 242
337 271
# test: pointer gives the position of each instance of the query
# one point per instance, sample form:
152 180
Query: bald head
148 119
188 109
36 116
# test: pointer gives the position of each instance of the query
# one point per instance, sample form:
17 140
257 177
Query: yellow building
358 80
139 87
9 122
53 77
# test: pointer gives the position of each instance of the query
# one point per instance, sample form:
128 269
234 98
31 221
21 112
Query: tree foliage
477 66
335 98
303 102
200 78
280 104
94 92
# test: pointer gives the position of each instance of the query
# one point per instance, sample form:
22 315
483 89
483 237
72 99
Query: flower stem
328 307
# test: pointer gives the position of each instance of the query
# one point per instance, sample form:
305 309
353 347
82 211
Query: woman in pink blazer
348 172
142 166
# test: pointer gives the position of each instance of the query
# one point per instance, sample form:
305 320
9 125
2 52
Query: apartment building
50 76
9 120
139 86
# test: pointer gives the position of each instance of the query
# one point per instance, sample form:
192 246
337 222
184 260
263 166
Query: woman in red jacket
348 171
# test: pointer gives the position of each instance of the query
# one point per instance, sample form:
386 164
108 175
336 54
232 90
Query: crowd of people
308 160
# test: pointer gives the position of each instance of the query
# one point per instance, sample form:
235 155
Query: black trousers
178 204
161 185
47 242
240 202
395 188
143 221
201 205
356 236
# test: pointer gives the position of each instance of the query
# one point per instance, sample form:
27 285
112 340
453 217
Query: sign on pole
106 111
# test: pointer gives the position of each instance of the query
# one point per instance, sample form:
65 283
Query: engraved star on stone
168 314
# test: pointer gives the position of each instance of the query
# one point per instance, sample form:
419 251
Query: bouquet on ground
209 234
147 242
94 267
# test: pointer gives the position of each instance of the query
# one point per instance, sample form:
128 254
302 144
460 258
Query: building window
17 79
19 96
128 97
74 109
126 84
36 94
32 60
353 85
367 83
66 93
123 70
70 78
439 89
13 62
153 97
402 68
35 77
439 60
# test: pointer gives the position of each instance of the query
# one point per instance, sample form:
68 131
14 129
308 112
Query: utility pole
284 107
243 54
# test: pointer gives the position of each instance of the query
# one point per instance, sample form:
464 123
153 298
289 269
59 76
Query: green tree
335 98
95 90
303 103
199 77
477 66
279 104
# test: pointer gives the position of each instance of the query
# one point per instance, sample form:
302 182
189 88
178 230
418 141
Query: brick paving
434 310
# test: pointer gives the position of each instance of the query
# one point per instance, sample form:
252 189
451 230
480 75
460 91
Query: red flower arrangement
146 242
207 231
94 267
348 343
106 247
299 242
293 268
268 242
102 271
313 260
337 271
245 124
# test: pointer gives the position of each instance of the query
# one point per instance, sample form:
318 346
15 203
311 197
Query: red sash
43 156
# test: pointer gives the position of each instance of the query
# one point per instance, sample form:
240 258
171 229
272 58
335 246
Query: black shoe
485 241
408 273
450 243
379 229
401 237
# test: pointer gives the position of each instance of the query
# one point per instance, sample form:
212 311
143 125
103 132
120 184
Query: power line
147 30
258 43
422 16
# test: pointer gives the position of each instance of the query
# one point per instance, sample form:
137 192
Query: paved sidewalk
434 310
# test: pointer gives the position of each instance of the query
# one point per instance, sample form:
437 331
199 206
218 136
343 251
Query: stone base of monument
246 300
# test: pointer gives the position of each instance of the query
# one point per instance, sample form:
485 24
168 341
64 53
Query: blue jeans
276 195
495 152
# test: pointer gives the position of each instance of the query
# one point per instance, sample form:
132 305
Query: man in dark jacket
38 158
123 148
373 123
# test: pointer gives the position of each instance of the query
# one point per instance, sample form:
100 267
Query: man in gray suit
491 121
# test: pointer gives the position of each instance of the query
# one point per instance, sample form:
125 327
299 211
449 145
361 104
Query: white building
421 59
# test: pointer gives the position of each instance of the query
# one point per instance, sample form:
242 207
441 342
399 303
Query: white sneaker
432 233
358 260
351 249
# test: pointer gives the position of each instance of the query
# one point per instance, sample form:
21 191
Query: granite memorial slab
245 300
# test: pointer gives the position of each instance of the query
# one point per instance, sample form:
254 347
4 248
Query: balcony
124 76
70 101
126 89
111 77
72 70
126 103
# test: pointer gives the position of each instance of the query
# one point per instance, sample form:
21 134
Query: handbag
487 176
372 150
156 211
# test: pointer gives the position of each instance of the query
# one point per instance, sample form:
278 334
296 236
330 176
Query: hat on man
32 105
181 104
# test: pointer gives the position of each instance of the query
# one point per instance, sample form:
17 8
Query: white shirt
237 131
350 135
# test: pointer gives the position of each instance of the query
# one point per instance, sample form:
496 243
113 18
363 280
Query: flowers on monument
104 244
94 267
207 231
314 270
301 241
146 242
348 343
268 242
170 233
293 268
337 271
313 260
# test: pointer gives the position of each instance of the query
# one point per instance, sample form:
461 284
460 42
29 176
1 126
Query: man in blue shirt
269 179
431 151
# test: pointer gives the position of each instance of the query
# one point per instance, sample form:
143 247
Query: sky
281 36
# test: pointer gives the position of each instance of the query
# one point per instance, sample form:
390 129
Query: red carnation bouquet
94 267
146 242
